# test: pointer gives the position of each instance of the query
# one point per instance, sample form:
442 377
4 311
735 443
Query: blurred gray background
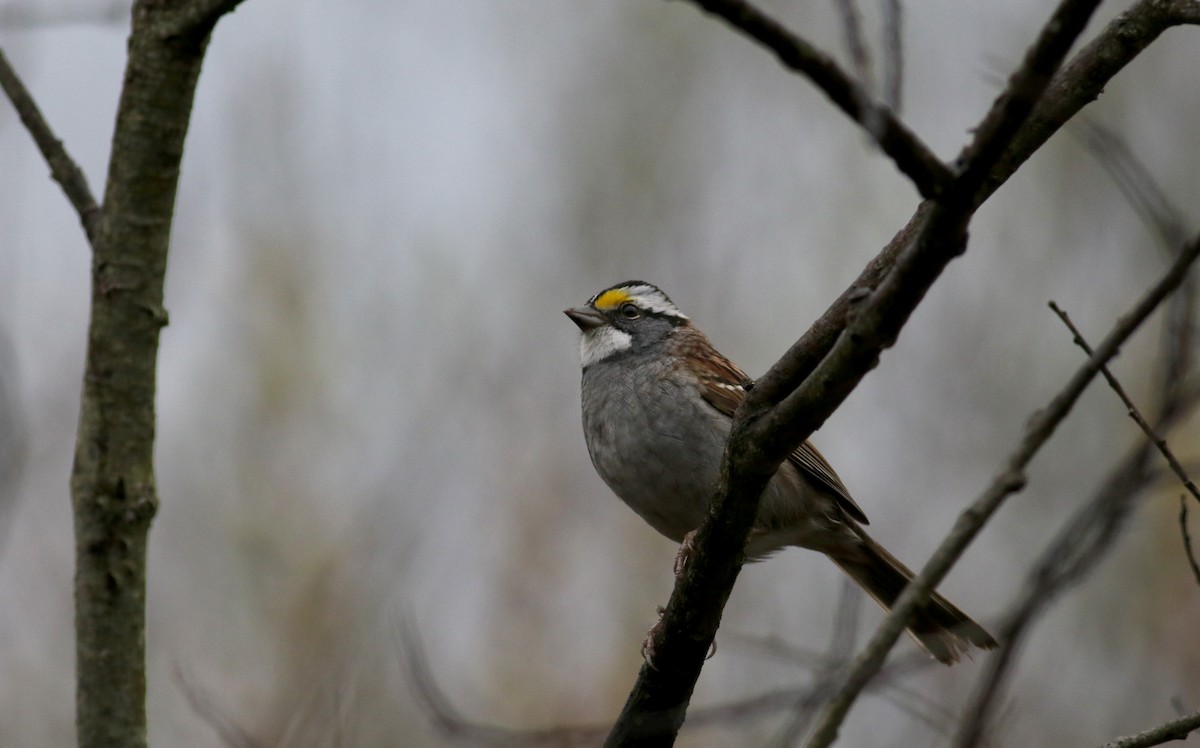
368 393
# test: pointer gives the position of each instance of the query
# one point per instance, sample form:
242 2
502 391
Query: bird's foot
686 549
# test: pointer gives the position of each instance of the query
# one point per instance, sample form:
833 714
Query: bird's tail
939 627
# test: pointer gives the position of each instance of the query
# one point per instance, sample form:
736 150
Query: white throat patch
601 342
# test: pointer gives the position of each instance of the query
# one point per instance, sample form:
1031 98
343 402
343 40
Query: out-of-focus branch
203 704
798 700
856 46
909 153
1178 729
1134 181
1187 538
893 55
63 168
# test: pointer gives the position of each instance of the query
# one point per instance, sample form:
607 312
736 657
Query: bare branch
1083 79
1010 478
1076 548
1083 541
798 700
197 17
63 168
1159 442
1184 11
1010 111
910 154
1178 729
1075 86
788 403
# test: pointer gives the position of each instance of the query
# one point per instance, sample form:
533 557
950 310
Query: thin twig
1187 538
1009 479
63 168
1159 442
909 153
1178 729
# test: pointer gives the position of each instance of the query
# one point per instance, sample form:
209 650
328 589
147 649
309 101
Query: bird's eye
630 311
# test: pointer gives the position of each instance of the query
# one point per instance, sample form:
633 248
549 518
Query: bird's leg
648 643
686 548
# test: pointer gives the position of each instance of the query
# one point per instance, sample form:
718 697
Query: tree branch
113 489
196 17
1010 478
774 419
63 168
1025 88
928 174
1178 729
1072 88
1159 442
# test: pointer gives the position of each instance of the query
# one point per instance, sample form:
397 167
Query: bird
658 402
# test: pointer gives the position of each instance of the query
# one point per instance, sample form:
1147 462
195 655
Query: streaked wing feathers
724 387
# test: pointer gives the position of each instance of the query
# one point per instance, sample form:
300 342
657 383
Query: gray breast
654 442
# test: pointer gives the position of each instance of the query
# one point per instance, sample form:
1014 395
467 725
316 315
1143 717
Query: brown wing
723 386
808 459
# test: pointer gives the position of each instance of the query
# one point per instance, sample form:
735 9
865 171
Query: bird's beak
585 317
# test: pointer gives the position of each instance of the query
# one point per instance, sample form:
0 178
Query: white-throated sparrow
658 402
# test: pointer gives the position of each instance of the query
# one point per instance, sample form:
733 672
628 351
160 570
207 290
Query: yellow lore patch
611 299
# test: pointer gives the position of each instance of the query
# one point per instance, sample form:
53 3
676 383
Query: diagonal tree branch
1159 442
774 419
1010 478
63 168
1079 83
1025 88
909 153
1081 543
